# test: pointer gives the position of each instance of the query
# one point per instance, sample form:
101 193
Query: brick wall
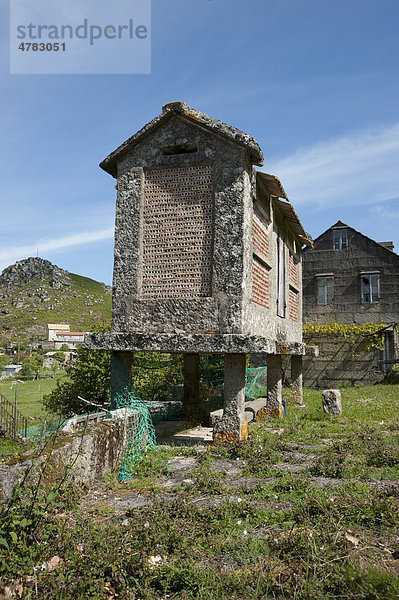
260 234
260 283
177 240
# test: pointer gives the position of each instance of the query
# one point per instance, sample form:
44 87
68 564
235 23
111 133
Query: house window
370 287
340 239
384 359
280 277
324 290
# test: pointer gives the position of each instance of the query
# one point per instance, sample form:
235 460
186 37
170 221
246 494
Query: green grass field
306 509
29 394
29 403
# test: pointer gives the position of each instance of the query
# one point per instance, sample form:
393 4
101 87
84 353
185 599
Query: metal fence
13 424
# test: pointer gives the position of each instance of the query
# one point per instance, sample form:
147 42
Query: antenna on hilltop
37 253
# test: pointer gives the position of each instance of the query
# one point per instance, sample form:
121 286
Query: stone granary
207 257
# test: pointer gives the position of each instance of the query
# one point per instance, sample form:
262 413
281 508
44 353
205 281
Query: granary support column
232 425
191 377
121 374
297 377
274 404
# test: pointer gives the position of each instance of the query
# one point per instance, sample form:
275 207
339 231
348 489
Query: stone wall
91 453
339 362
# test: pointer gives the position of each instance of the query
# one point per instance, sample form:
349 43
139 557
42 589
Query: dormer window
340 239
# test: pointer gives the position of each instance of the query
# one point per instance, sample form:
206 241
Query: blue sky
314 81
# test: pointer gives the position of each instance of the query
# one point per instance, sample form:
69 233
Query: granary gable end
194 116
204 168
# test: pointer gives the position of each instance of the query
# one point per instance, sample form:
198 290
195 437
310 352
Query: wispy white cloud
13 253
385 211
360 168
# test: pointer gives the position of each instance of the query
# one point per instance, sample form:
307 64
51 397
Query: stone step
251 409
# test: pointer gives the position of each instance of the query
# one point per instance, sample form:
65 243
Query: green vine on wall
373 333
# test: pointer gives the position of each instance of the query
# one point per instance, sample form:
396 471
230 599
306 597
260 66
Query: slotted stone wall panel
177 232
293 270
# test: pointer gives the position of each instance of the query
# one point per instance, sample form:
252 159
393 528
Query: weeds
283 539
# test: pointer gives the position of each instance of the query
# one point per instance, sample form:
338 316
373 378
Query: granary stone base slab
189 343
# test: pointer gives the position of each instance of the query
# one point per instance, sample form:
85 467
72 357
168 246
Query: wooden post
15 414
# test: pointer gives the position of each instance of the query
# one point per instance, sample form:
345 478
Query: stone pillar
332 403
121 374
274 404
191 376
296 378
232 426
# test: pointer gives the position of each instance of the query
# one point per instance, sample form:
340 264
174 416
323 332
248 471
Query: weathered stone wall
257 320
91 453
339 362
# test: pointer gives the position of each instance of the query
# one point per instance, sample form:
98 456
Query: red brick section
260 284
293 270
260 236
293 305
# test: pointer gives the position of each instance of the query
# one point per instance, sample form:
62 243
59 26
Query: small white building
60 334
10 370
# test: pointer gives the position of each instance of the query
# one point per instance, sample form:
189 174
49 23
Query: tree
4 361
154 373
64 348
88 377
59 356
31 366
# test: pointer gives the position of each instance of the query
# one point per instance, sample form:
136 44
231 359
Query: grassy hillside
31 297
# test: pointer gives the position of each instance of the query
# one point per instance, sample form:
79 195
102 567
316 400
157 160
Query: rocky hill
34 292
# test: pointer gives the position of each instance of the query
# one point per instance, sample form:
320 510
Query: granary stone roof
187 112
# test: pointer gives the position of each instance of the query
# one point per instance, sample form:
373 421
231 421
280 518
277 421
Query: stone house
10 370
207 258
59 334
53 328
70 338
348 278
